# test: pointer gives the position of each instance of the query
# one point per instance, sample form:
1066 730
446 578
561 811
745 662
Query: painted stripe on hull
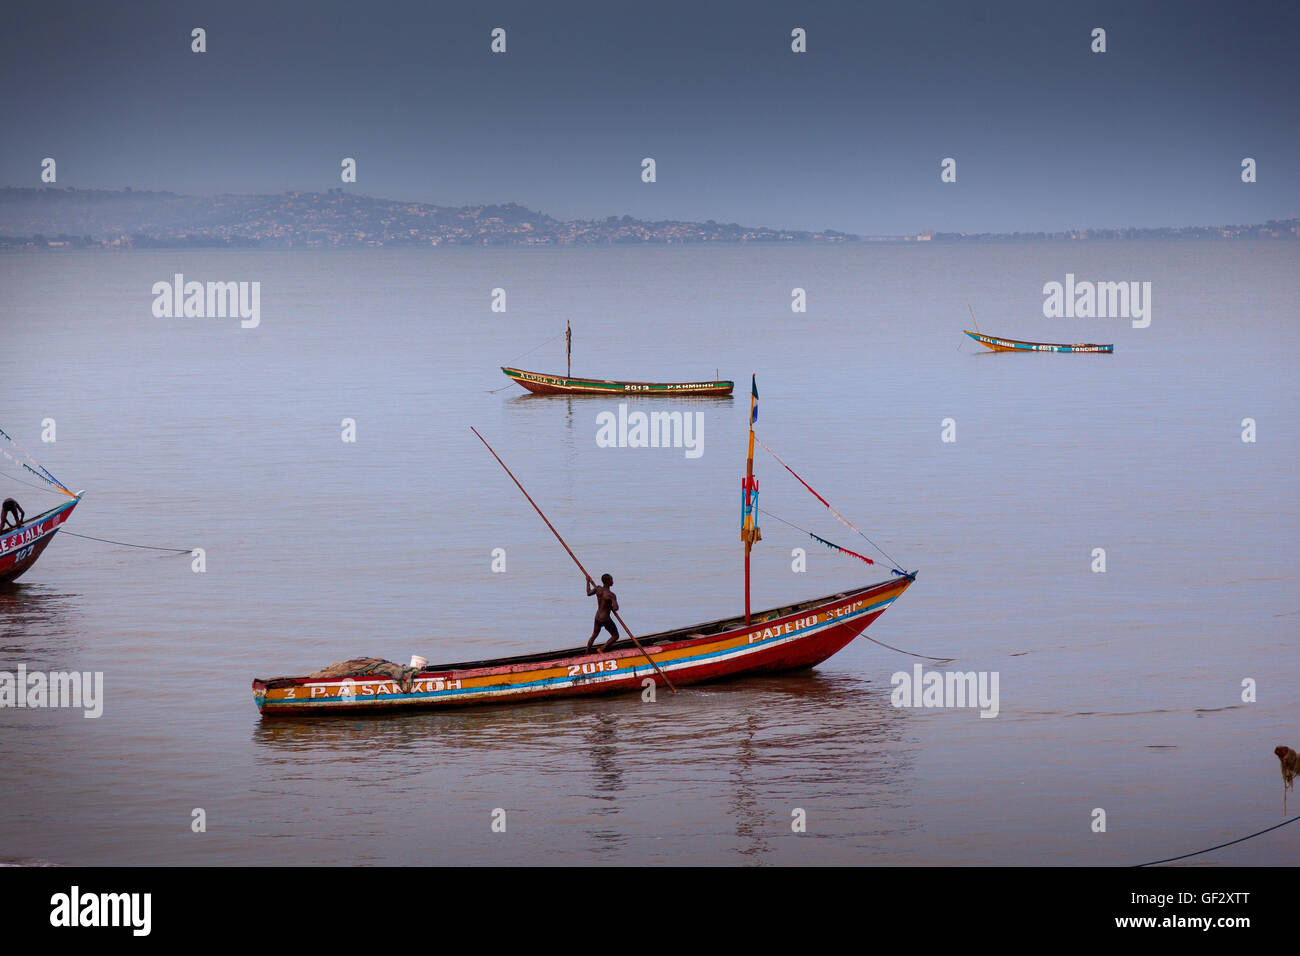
693 661
1013 345
623 679
541 383
633 672
21 546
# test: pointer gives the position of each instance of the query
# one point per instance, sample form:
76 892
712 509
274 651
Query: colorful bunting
836 547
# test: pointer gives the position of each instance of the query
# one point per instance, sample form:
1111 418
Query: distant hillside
65 217
321 220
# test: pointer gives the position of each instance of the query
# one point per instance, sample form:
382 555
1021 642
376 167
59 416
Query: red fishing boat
22 544
790 637
544 383
781 639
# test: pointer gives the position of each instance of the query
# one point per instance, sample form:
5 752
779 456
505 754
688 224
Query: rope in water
937 660
1221 845
127 544
52 481
124 544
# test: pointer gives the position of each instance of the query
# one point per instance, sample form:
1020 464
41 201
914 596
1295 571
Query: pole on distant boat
749 532
575 558
568 350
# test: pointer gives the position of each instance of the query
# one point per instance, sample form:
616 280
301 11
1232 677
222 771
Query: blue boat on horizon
1015 345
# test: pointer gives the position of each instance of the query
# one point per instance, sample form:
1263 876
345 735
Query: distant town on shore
68 218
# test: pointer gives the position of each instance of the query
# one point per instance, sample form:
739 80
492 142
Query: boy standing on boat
606 604
10 510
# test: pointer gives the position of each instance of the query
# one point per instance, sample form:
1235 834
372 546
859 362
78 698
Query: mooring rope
938 660
536 347
42 474
847 523
863 634
127 544
26 467
493 391
1222 845
30 485
818 538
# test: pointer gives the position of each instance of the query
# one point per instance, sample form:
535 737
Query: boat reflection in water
35 620
710 775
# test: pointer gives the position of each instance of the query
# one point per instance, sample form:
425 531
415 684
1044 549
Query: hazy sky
849 135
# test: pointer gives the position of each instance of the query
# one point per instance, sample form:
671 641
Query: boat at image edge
21 546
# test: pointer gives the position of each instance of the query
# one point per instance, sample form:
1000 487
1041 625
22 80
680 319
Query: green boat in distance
541 383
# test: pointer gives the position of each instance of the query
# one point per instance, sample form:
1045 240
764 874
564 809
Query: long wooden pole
617 616
751 516
568 351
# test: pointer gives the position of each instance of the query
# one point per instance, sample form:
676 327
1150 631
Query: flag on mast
749 532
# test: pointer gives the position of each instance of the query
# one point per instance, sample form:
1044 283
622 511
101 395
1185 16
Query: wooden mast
749 513
568 350
574 556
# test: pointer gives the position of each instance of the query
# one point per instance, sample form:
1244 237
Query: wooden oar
574 556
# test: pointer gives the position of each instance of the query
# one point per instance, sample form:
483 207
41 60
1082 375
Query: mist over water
1119 690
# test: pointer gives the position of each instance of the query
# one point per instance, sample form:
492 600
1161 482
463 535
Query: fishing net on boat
367 667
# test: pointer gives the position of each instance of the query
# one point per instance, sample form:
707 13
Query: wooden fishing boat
541 383
785 638
781 639
1015 345
21 546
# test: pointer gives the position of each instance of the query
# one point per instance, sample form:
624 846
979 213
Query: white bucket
419 662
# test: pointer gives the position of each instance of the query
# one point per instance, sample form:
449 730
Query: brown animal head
1290 761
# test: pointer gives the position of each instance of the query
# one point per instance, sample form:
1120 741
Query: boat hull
782 639
541 383
1015 345
21 546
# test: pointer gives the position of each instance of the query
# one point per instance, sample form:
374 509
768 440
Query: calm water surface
1119 690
